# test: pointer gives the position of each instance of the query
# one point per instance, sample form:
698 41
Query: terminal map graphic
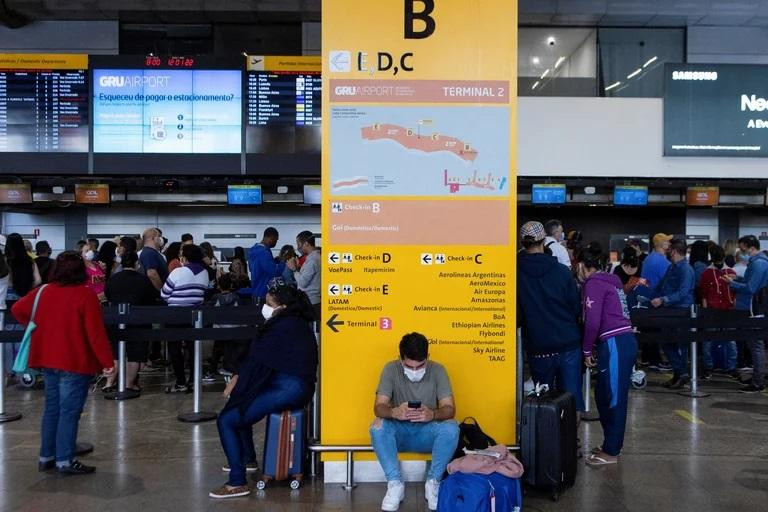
425 151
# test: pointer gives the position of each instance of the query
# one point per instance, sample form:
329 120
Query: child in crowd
230 350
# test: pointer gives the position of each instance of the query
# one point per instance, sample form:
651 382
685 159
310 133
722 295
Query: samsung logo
694 75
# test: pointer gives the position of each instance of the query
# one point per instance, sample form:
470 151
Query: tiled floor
148 461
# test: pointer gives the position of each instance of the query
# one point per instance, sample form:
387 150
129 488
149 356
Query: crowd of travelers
61 300
574 307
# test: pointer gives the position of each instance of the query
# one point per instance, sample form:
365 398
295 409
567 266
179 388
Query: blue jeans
236 429
440 438
561 371
731 355
677 353
612 390
65 395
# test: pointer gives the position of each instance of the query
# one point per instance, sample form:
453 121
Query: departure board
43 103
284 106
283 98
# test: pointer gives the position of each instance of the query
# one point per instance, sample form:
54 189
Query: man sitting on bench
414 411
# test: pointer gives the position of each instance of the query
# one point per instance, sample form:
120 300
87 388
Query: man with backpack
554 229
750 297
716 294
414 411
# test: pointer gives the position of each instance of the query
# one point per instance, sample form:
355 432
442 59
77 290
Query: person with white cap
549 308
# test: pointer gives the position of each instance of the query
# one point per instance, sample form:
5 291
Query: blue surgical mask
743 256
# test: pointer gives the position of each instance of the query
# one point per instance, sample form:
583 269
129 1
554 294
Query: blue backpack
464 492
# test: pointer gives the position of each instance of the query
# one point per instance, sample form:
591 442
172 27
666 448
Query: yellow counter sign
42 61
418 213
299 64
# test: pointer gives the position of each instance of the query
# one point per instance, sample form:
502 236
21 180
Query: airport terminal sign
716 110
418 210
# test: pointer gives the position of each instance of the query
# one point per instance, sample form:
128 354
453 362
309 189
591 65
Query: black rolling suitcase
548 442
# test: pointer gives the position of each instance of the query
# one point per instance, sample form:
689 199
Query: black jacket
548 303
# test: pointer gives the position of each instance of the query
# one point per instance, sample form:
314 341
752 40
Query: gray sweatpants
757 349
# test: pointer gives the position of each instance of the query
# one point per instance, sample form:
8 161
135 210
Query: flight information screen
284 108
43 103
283 98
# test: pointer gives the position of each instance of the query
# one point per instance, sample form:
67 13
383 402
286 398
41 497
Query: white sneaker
395 494
431 487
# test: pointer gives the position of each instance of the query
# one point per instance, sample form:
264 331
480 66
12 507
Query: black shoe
706 375
752 389
735 374
671 382
681 383
76 468
46 466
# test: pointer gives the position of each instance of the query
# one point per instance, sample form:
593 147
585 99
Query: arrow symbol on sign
334 257
340 60
334 290
332 322
426 259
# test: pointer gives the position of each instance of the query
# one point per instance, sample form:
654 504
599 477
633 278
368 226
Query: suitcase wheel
295 484
555 496
640 384
261 485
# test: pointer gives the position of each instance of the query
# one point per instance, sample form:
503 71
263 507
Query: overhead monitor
630 196
15 193
167 114
92 193
244 195
702 196
548 194
715 110
43 113
282 133
313 194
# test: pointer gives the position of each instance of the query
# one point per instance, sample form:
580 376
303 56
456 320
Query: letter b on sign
424 15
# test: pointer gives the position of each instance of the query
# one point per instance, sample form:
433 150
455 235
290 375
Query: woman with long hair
23 272
240 255
279 373
610 346
106 257
173 256
69 345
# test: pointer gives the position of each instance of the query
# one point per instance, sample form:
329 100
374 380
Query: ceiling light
559 61
634 73
535 85
551 41
650 61
545 73
613 86
536 61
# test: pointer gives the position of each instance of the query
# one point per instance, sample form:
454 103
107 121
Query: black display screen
284 112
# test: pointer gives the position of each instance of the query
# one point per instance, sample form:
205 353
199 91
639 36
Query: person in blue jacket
549 309
262 264
676 291
755 279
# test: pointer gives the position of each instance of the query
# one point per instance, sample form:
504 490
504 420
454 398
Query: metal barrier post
350 484
122 393
5 416
314 435
197 416
694 392
588 414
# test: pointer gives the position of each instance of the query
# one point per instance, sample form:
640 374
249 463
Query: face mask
743 257
415 375
90 255
267 311
118 259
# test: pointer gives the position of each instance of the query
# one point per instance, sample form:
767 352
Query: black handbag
472 437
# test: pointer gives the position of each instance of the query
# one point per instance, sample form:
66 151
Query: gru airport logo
134 80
